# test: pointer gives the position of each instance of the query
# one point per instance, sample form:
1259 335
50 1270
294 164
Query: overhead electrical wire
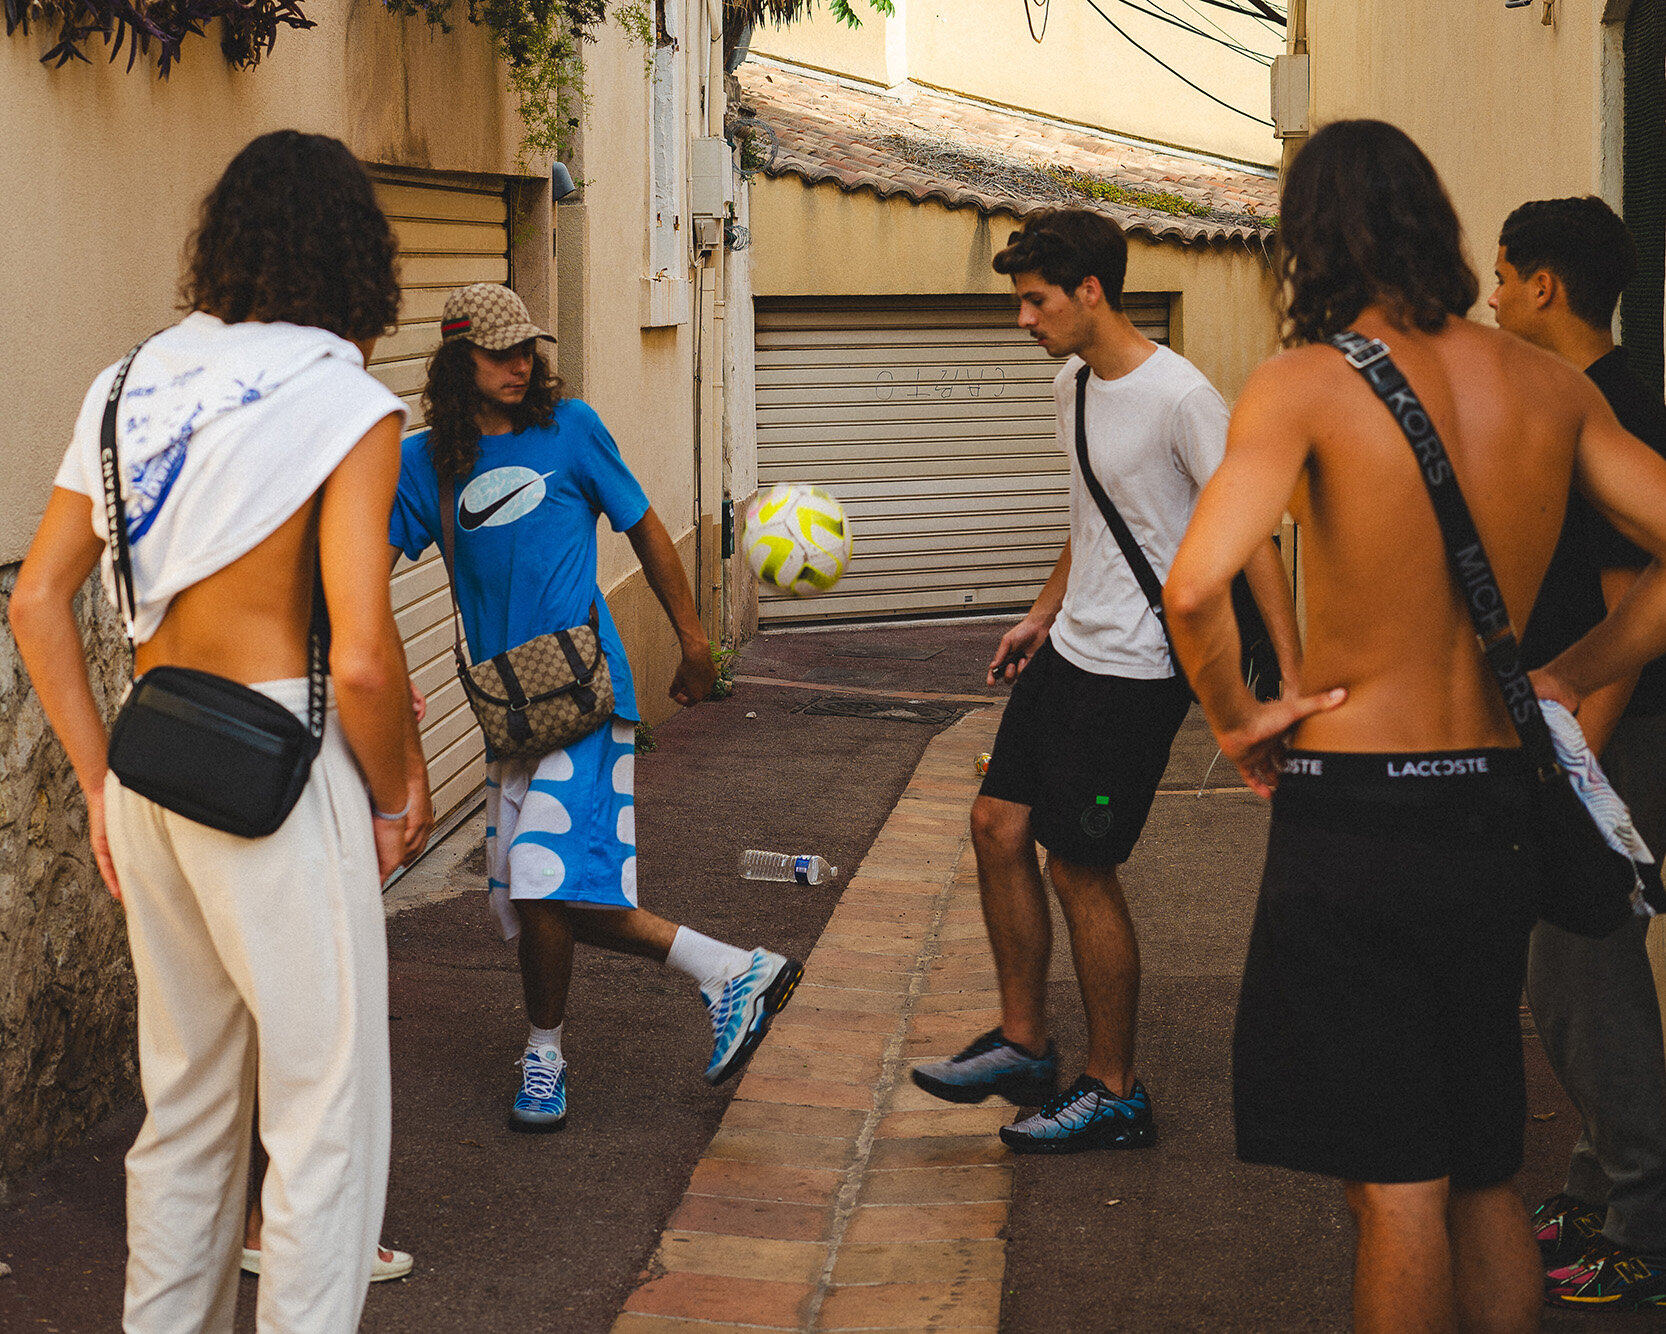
1259 120
1260 10
1238 48
1030 6
1204 18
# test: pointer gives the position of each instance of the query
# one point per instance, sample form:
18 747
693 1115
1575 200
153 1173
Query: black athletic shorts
1085 753
1379 1032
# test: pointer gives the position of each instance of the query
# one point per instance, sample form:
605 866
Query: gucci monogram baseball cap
489 316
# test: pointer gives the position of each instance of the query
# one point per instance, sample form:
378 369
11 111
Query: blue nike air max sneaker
992 1065
1086 1116
743 1011
541 1105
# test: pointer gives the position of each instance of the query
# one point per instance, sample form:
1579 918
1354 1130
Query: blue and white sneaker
1085 1116
992 1065
541 1105
743 1011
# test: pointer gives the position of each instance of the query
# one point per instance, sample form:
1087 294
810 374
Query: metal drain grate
891 710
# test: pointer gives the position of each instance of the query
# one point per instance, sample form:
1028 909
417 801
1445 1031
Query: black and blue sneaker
1086 1116
541 1105
992 1065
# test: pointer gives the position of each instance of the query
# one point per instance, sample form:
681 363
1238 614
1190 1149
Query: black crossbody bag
1584 885
197 744
1257 659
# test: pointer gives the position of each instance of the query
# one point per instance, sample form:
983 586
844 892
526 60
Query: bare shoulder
1542 373
1289 384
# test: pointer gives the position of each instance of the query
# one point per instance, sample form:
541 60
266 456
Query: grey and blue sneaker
743 1011
541 1105
992 1065
1086 1116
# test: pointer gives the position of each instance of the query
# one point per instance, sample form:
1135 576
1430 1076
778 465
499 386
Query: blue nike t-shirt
526 532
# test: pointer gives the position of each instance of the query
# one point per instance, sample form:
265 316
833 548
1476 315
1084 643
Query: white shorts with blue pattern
563 827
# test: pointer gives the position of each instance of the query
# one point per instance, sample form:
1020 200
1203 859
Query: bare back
1384 617
248 621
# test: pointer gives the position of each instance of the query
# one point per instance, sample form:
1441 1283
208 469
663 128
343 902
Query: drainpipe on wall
1292 89
714 463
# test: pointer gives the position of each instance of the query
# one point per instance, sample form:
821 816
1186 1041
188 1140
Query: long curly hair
292 232
451 402
1365 219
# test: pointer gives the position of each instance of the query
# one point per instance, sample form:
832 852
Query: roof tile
962 154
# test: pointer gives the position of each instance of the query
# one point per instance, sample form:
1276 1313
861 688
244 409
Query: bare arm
367 660
1266 449
1600 711
62 555
696 674
1265 573
420 823
1626 481
1019 644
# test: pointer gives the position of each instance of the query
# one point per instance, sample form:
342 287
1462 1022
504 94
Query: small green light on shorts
1103 801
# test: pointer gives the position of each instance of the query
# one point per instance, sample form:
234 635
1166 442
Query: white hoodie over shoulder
223 432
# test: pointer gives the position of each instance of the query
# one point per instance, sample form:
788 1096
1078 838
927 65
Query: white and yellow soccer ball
797 538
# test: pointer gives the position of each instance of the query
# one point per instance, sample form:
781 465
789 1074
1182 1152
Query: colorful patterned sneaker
744 1010
1565 1229
1608 1276
541 1105
1086 1116
993 1065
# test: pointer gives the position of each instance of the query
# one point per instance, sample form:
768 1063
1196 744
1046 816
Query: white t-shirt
1155 436
225 431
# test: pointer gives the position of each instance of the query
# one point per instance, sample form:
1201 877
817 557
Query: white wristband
399 814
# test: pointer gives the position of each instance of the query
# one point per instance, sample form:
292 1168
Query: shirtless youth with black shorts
1378 1039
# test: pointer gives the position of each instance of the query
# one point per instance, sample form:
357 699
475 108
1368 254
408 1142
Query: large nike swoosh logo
469 519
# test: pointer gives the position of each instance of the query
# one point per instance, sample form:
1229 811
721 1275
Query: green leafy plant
645 743
539 42
789 11
250 27
724 660
1162 201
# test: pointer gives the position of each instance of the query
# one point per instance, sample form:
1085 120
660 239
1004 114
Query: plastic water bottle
804 868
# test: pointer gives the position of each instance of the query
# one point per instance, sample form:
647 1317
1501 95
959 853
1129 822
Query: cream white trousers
257 960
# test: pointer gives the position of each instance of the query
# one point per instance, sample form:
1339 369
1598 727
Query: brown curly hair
292 232
1365 219
1065 245
450 401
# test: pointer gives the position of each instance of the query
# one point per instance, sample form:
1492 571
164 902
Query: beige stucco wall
1223 318
1507 108
104 169
640 380
102 174
1082 70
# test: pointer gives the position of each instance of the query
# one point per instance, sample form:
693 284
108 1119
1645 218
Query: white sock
709 962
545 1039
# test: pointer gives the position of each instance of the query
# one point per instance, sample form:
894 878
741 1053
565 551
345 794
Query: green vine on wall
539 41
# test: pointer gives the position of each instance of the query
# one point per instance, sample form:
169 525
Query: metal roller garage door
931 419
448 236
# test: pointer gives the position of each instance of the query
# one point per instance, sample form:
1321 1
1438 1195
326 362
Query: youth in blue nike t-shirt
526 532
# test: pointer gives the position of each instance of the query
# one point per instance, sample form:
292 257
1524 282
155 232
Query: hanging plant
251 27
539 41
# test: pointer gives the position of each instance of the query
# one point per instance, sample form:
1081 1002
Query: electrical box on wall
711 178
1290 96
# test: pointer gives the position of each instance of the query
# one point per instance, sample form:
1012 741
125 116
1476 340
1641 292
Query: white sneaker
389 1264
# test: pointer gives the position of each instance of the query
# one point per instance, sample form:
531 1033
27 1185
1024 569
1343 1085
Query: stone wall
67 1022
